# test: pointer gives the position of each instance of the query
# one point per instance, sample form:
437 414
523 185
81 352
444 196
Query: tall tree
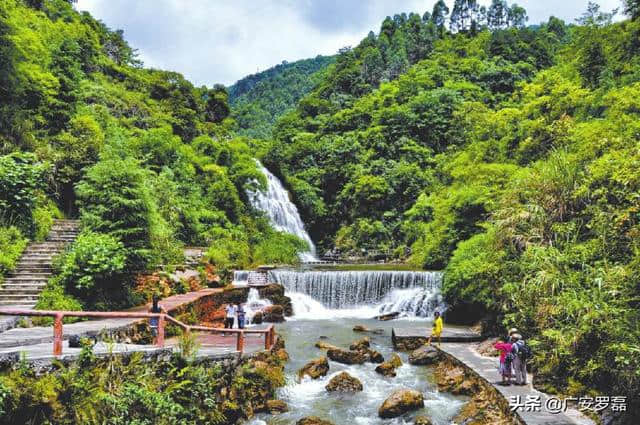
461 14
439 15
517 16
497 14
632 8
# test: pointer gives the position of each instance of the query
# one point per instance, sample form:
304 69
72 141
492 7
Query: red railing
163 318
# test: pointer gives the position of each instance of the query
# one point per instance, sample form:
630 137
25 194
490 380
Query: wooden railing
163 318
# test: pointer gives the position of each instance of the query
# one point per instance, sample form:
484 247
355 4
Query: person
241 316
521 354
437 328
230 312
506 358
155 308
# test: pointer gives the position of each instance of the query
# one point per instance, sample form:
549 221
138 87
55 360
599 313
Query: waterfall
361 293
282 213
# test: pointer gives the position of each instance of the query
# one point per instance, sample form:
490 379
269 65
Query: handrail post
160 339
57 334
240 342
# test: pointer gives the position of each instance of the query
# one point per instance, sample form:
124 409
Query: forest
460 139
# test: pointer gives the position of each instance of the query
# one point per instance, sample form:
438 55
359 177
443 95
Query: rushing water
282 213
321 294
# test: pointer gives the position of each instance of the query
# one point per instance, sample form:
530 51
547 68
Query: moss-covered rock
347 356
313 420
400 402
344 382
315 368
425 355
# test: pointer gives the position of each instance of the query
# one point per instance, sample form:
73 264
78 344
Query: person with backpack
240 314
522 353
506 358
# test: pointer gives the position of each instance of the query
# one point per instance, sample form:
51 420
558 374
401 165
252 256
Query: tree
439 15
462 14
632 8
517 16
217 107
497 15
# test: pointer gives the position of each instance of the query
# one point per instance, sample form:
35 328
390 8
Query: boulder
395 360
344 382
282 354
273 314
388 368
361 344
374 356
425 355
422 420
275 293
315 368
313 420
400 402
326 346
387 316
257 318
347 356
276 406
360 328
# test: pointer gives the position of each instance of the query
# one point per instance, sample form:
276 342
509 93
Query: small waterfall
254 304
361 293
282 213
240 277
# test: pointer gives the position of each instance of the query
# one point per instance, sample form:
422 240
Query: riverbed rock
275 293
387 316
326 346
389 367
361 344
425 355
347 356
422 420
361 328
374 356
315 368
400 402
273 314
313 420
282 355
276 406
257 318
344 382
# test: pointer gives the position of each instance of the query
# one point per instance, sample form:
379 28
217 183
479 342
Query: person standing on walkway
154 321
230 314
437 328
241 314
521 354
506 357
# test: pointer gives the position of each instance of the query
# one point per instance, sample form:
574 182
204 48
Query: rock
375 356
279 344
387 316
282 354
345 383
326 346
273 314
277 406
313 420
422 420
323 337
424 355
257 318
400 402
361 328
388 368
486 348
361 344
347 357
275 293
315 368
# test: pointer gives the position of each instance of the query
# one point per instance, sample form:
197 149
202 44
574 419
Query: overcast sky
221 41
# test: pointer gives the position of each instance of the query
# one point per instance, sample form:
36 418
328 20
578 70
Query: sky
221 41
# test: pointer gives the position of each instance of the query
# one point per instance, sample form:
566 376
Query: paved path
420 334
486 367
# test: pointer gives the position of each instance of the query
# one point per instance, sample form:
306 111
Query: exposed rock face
326 346
315 368
273 314
313 420
422 420
345 383
425 355
275 293
361 344
276 406
388 368
453 379
347 357
400 402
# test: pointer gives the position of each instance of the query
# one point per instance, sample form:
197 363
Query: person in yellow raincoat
437 328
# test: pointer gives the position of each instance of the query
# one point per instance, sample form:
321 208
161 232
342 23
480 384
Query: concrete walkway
486 368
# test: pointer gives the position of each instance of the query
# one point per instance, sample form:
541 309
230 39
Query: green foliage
54 297
12 243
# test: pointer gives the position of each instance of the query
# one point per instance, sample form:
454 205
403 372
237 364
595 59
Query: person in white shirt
230 316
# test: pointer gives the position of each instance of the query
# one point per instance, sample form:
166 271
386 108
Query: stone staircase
22 288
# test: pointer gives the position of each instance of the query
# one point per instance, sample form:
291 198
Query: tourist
230 312
241 316
155 308
437 328
506 358
521 354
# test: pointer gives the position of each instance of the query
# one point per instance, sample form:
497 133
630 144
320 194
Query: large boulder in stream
344 382
275 293
389 367
315 368
347 356
313 420
276 407
273 314
360 344
326 346
374 356
425 355
422 420
401 402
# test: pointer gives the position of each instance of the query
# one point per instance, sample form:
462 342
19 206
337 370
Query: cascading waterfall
316 294
282 213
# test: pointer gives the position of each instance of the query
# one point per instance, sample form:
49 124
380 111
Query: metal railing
163 318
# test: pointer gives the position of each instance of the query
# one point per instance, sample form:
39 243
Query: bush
53 297
279 248
12 243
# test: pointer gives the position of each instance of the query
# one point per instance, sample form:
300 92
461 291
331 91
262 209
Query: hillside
258 100
506 157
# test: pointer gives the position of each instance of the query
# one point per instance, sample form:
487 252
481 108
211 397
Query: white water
336 294
282 213
254 304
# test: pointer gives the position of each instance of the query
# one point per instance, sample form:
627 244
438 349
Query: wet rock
315 368
389 367
279 344
276 407
257 318
387 316
424 355
375 356
313 420
282 354
422 420
273 314
361 328
344 382
400 402
347 356
361 344
323 337
326 346
275 293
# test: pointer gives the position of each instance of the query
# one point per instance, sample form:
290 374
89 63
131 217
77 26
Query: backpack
524 351
508 359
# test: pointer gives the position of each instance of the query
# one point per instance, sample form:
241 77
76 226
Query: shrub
53 297
12 243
